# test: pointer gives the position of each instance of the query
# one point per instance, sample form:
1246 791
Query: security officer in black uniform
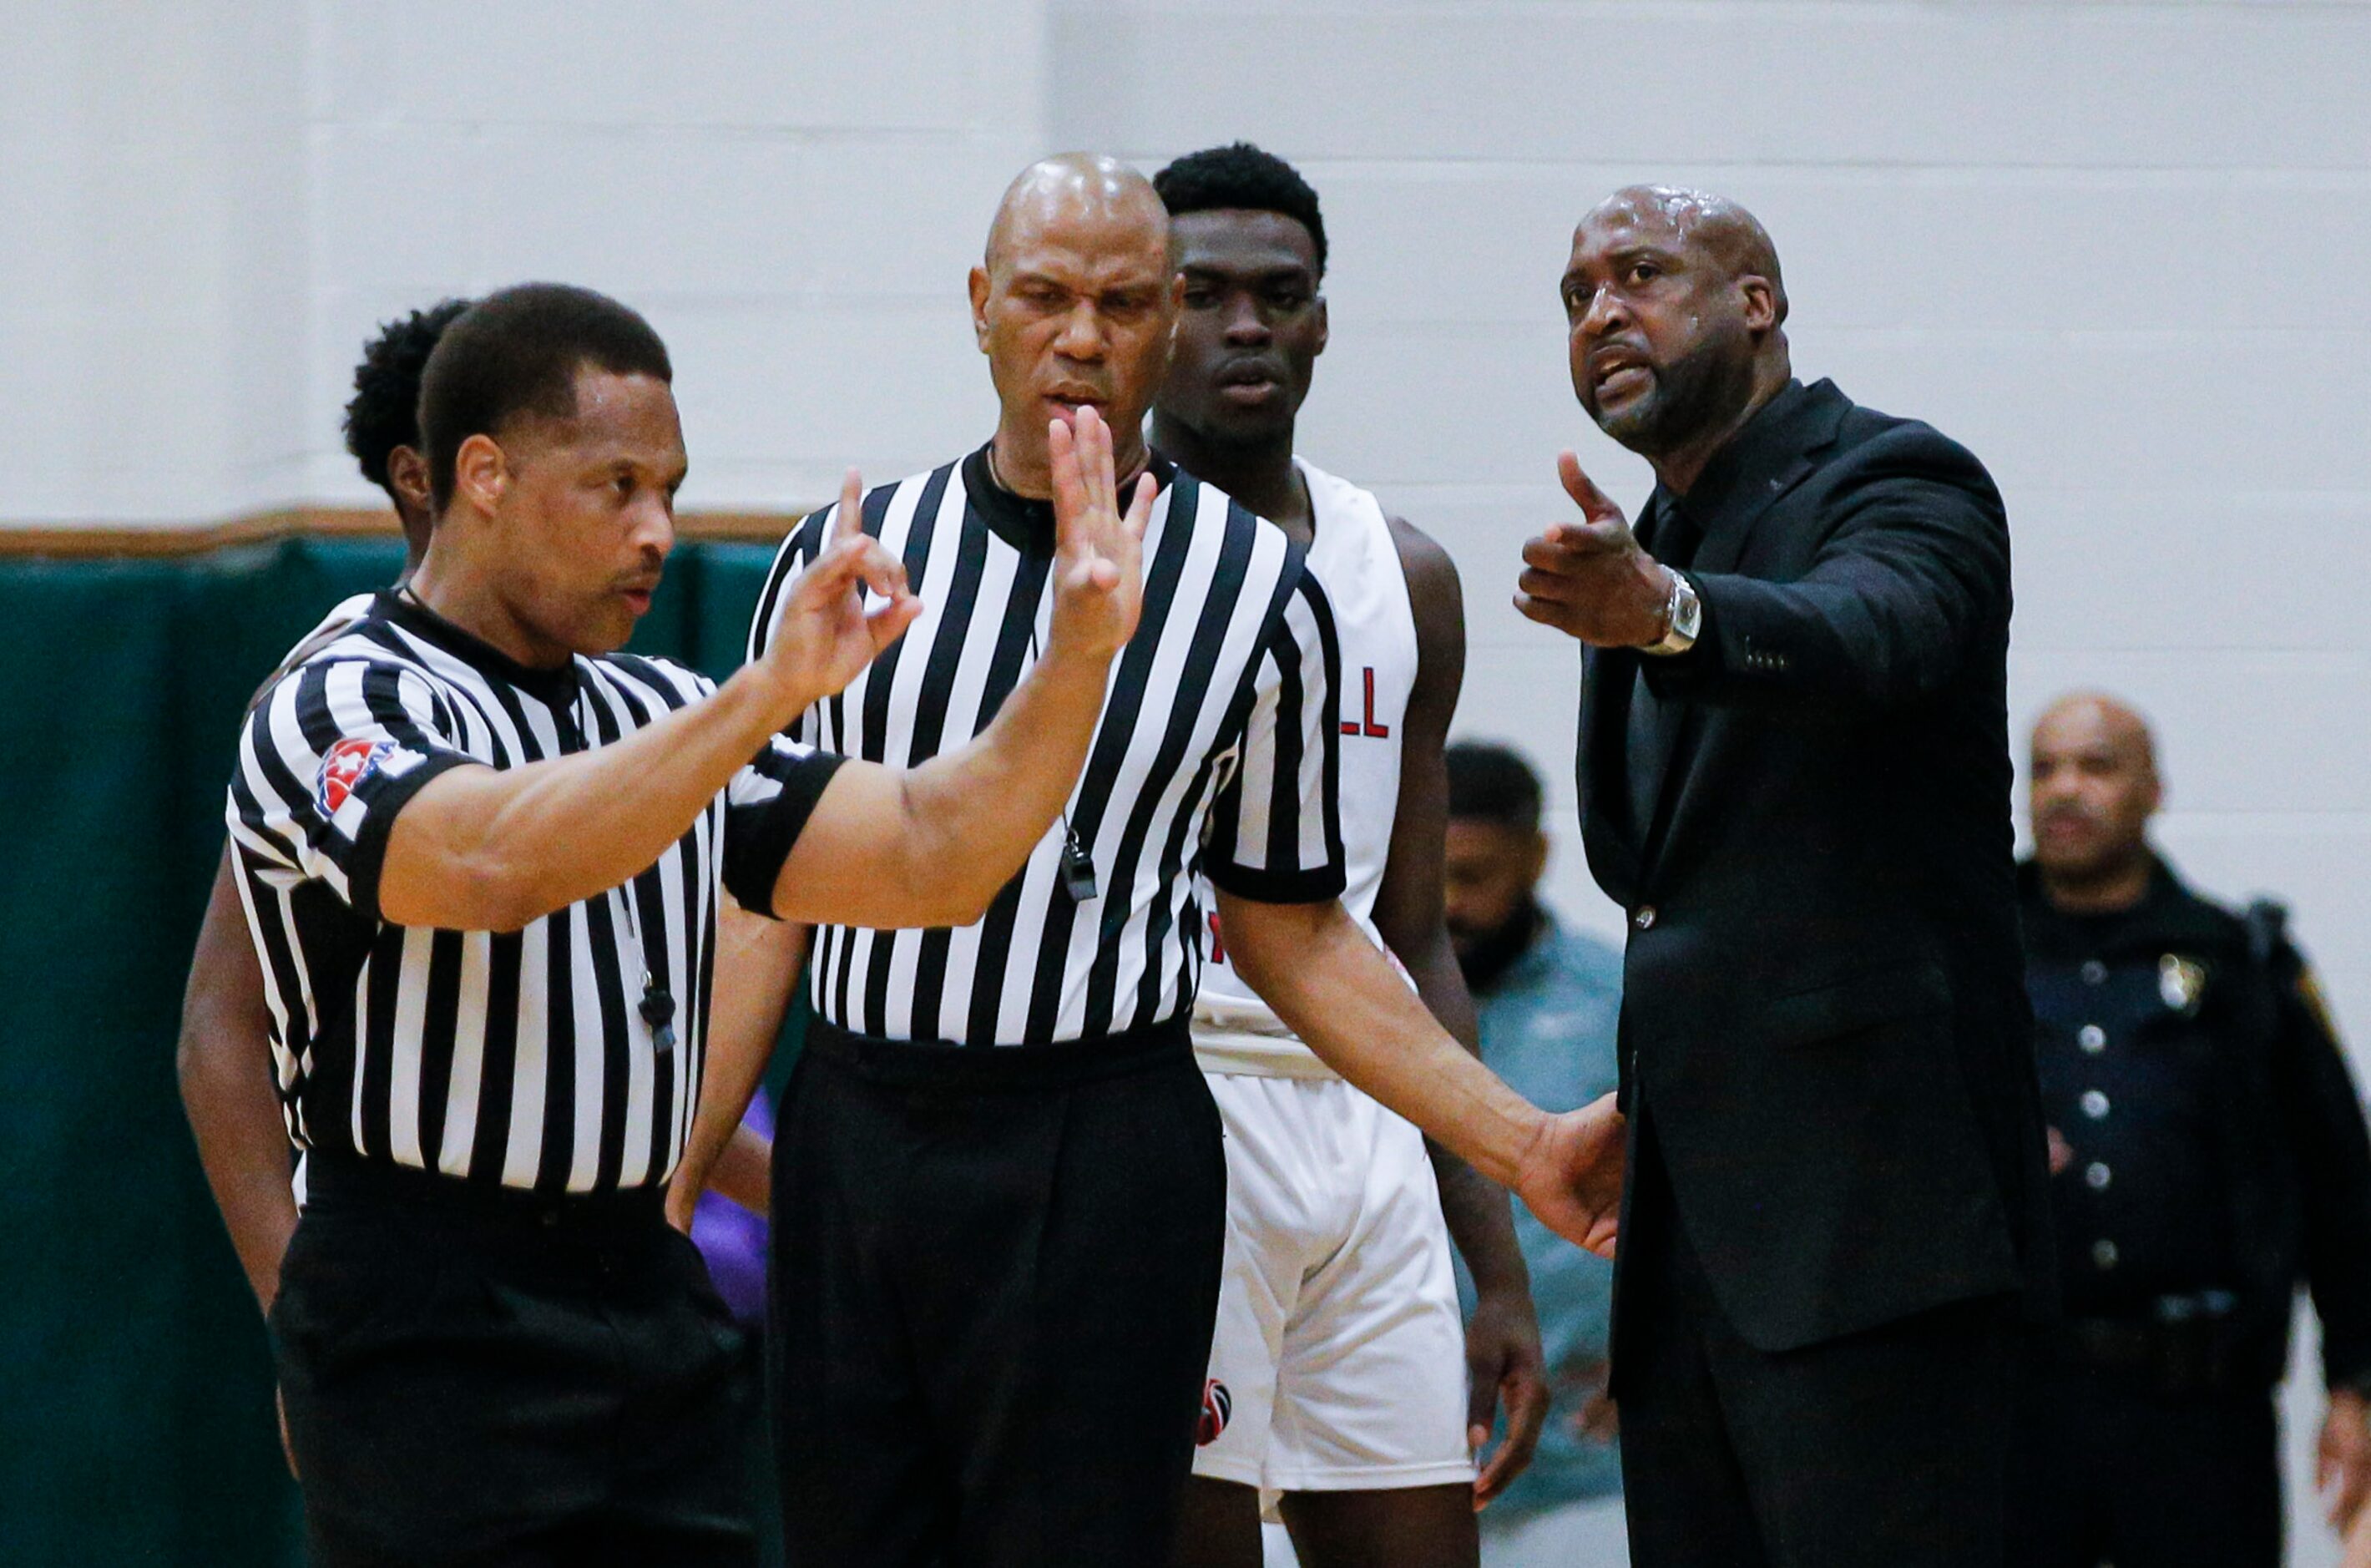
2208 1154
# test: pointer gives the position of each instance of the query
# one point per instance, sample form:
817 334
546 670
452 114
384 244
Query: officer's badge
2181 982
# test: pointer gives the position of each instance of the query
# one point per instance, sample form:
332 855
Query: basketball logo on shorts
1217 1406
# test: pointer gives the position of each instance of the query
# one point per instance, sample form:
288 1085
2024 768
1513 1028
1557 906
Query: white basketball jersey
1357 563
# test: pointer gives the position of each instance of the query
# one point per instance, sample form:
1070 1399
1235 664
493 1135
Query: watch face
1689 614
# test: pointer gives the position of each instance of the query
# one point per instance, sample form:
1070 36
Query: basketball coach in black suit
1795 777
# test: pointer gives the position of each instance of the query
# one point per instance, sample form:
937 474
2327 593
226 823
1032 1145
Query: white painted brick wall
2109 246
2103 244
206 209
792 192
2113 247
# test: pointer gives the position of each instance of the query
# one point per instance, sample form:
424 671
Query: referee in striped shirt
1000 1193
481 855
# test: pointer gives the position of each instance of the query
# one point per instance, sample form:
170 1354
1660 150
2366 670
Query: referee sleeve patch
350 763
768 806
328 756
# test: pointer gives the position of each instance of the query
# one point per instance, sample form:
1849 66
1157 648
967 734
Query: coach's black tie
1653 725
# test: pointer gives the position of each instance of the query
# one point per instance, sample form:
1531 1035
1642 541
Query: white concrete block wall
2094 241
206 209
147 281
792 193
2103 244
2108 245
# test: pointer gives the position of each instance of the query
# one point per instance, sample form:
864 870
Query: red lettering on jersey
1371 729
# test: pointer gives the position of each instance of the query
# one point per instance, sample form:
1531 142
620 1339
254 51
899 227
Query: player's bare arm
742 1171
225 1060
758 963
1502 1336
1334 988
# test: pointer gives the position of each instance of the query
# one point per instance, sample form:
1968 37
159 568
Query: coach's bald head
1072 303
1713 224
1676 309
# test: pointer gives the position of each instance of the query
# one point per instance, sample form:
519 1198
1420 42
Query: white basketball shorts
1339 1361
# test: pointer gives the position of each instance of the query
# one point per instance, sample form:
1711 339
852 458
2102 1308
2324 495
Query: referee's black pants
996 1274
496 1378
1886 1448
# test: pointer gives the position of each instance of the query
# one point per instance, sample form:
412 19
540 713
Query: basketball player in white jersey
1339 1379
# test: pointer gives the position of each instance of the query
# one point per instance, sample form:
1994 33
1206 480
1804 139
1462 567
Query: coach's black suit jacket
1824 1027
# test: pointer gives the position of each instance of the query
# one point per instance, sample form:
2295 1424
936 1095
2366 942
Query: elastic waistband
336 1181
1241 1055
932 1064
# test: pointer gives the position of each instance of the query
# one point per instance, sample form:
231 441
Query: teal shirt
1547 1028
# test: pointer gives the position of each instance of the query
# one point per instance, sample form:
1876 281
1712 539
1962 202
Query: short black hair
1240 175
518 351
1492 784
384 413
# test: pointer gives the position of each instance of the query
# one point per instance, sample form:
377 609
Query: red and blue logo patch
344 768
1217 1406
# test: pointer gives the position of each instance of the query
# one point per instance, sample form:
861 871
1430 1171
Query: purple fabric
731 1239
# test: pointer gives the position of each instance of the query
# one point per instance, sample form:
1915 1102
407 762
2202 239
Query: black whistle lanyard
1078 866
657 1005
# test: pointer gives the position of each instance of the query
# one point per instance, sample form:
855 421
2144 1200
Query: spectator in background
2208 1156
1547 998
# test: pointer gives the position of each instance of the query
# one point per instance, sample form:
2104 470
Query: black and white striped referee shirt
1217 751
525 1057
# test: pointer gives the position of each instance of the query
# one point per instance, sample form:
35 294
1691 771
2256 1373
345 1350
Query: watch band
1683 619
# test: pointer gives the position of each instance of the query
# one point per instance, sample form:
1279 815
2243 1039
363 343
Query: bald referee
1000 1193
482 855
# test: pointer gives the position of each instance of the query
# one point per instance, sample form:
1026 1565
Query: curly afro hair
1242 176
385 412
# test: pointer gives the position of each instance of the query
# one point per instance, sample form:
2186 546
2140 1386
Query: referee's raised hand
1098 550
827 636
